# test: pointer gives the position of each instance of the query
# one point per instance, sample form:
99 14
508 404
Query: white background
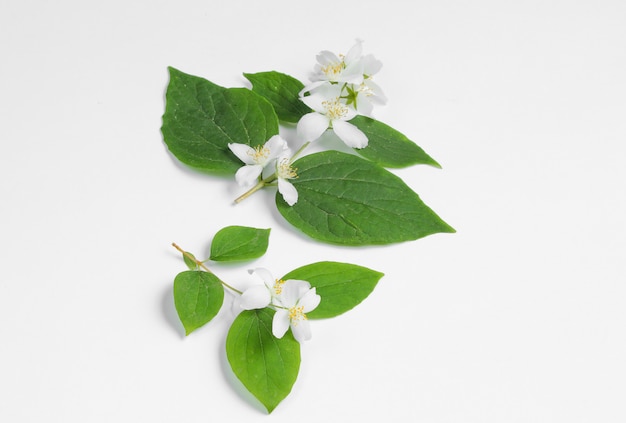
518 317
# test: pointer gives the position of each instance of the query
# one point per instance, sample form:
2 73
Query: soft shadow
169 311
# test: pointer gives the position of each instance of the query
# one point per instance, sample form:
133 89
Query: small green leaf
202 118
388 147
344 199
340 285
198 297
234 243
191 264
267 366
282 91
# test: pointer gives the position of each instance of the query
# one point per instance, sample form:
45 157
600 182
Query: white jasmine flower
260 296
330 111
256 159
296 299
333 68
284 172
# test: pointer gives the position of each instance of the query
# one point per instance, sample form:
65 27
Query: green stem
201 264
300 150
255 188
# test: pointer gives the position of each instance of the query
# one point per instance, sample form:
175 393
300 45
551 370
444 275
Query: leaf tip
448 229
435 164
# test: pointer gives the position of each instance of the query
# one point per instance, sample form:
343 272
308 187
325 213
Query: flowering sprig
273 156
273 316
237 131
341 88
276 167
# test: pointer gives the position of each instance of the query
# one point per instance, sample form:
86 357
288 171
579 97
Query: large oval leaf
201 118
344 199
267 366
388 147
341 286
198 296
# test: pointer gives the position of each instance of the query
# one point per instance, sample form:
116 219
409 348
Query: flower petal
293 290
277 146
312 125
310 300
314 101
371 65
355 52
265 276
269 169
350 113
378 96
255 297
352 74
248 174
243 152
350 134
311 87
280 323
327 92
364 106
288 191
326 57
301 330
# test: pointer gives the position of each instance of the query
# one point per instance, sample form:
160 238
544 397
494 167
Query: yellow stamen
296 314
335 109
278 286
260 153
332 70
285 170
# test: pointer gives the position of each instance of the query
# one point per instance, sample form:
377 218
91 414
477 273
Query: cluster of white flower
341 88
291 299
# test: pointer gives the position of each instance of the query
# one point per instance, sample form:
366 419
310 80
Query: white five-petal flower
333 68
330 111
296 299
256 159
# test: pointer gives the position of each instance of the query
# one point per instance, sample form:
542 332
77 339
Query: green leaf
282 91
340 285
234 243
198 297
191 264
267 366
202 118
388 147
344 199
